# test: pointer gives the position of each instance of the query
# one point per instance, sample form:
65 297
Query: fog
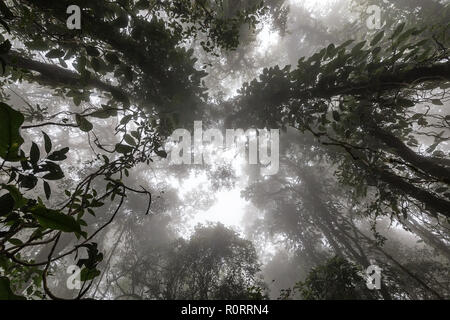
219 230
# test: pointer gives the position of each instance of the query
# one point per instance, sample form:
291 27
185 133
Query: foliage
370 104
215 263
338 279
141 44
360 100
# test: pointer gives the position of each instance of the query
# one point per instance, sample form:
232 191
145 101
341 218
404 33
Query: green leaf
96 64
37 44
47 142
112 58
431 148
55 53
5 290
417 116
15 241
19 200
6 204
346 43
97 204
10 139
377 38
88 274
55 172
3 64
437 102
77 100
123 148
5 47
336 116
358 47
161 153
126 119
63 63
83 123
47 190
129 139
398 30
92 51
34 153
404 36
104 113
135 134
56 175
55 220
119 96
28 181
59 155
376 51
142 4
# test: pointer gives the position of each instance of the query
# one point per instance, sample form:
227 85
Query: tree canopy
86 117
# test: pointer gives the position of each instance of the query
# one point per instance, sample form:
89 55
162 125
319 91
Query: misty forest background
364 155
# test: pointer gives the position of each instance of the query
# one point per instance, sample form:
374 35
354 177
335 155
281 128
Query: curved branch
55 75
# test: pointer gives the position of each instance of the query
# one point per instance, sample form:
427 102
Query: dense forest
356 204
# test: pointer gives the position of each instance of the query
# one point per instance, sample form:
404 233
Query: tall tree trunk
404 269
427 237
425 164
57 76
431 201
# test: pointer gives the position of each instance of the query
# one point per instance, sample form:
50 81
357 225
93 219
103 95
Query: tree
361 101
85 114
215 263
143 52
318 218
338 279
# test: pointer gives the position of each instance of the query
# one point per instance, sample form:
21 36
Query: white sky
229 208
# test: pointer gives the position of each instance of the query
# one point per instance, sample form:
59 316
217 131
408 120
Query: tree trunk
427 237
431 202
425 164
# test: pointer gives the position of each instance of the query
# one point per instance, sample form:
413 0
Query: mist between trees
339 161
